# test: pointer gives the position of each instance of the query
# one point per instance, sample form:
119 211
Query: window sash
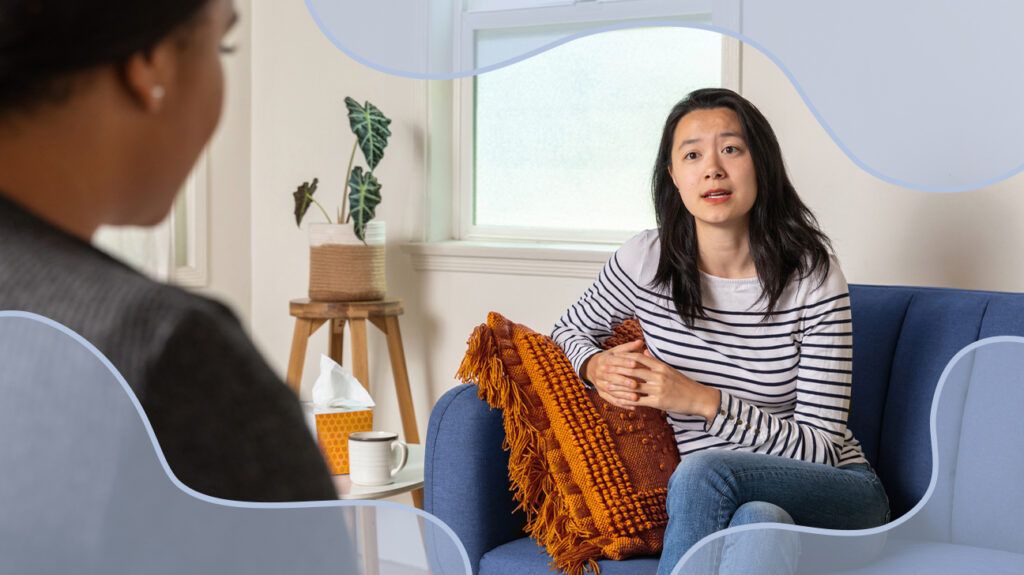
594 12
175 249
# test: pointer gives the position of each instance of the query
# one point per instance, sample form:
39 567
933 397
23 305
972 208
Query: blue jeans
714 489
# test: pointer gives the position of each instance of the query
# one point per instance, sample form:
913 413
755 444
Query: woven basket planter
342 268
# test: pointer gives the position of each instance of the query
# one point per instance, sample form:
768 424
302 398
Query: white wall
300 131
883 234
229 222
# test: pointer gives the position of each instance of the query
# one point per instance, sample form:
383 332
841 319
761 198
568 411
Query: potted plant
346 255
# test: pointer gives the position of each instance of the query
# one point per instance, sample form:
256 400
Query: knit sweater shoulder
225 422
785 380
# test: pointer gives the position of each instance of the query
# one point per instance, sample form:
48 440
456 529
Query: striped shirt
785 380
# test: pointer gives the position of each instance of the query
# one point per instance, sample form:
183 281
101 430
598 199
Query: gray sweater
186 357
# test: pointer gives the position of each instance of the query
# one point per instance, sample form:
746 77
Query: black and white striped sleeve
817 429
609 301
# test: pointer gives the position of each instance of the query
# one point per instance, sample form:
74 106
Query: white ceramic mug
374 457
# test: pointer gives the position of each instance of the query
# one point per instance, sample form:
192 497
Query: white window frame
194 272
163 260
506 14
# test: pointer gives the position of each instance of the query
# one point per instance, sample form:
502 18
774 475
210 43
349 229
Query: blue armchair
903 339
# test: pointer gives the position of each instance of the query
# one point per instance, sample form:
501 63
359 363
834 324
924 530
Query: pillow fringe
548 519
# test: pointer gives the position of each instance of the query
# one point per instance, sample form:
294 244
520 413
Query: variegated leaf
370 126
363 197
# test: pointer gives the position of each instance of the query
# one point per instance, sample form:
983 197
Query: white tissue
337 388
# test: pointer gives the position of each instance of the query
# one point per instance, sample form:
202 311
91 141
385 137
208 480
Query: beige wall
229 218
299 130
885 234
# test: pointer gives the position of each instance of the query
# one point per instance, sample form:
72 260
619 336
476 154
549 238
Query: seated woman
104 108
746 316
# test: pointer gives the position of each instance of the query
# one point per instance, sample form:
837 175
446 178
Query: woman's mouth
716 196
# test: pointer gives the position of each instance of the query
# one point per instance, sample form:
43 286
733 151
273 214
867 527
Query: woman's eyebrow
720 135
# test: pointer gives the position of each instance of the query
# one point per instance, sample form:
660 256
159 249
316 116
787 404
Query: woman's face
190 110
712 168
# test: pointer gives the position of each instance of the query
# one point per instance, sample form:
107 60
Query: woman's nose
714 171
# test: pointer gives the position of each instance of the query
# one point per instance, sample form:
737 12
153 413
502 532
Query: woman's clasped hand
627 378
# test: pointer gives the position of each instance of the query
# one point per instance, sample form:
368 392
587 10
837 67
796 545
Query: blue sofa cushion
525 557
938 324
878 314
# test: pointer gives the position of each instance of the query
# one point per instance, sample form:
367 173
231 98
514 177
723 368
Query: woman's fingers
623 403
634 345
618 361
650 388
621 389
642 401
612 378
636 373
651 362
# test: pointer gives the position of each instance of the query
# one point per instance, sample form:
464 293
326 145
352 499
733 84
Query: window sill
511 258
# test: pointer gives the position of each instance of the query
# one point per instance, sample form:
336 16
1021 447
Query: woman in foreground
104 108
746 316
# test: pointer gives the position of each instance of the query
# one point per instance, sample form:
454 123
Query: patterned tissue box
333 427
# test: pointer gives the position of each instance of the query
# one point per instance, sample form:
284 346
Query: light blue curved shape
919 541
168 529
914 131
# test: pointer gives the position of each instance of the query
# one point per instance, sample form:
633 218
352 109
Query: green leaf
370 126
363 197
303 198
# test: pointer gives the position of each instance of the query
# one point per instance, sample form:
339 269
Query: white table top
408 479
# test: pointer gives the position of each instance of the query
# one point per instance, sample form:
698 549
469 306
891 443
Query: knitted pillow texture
591 477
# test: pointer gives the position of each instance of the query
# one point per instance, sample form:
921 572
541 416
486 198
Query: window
560 146
175 249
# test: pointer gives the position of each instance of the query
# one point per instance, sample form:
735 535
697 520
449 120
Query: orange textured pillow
591 477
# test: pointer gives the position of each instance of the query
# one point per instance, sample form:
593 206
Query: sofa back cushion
986 495
877 318
903 340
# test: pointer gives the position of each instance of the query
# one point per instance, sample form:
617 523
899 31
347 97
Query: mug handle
403 457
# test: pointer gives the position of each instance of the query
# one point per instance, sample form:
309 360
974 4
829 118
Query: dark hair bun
42 41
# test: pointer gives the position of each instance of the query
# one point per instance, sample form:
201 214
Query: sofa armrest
466 473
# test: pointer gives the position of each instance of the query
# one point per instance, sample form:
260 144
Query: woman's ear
148 76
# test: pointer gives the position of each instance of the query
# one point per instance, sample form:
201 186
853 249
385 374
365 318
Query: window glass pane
181 235
145 249
567 139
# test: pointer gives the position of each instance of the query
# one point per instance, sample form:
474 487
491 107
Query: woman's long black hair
785 240
42 42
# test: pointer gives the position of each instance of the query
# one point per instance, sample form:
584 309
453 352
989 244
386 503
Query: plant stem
348 174
326 216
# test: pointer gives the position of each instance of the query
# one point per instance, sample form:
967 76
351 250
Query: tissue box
332 430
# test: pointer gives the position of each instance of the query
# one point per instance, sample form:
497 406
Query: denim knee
701 466
701 472
760 512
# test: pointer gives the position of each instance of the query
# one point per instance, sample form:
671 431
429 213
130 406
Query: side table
383 314
408 479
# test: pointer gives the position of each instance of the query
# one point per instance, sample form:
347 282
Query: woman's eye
730 149
690 156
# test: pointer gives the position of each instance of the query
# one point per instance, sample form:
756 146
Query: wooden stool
310 315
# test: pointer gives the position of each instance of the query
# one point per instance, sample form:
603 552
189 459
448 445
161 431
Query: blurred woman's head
139 85
716 139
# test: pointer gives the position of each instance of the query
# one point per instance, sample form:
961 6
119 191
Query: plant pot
341 267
